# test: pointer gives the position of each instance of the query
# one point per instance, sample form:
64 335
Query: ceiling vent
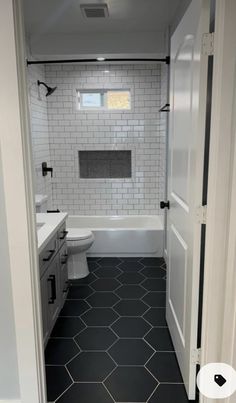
94 10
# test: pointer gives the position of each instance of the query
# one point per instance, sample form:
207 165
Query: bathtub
123 235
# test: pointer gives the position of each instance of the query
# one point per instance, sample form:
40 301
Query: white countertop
40 199
51 223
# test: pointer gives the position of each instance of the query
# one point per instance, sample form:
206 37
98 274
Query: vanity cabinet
53 280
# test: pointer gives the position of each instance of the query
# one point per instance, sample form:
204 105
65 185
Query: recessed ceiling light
101 59
106 71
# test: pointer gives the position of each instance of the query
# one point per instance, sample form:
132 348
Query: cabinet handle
51 253
52 280
67 288
64 234
64 261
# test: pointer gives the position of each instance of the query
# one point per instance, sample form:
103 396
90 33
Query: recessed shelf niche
102 164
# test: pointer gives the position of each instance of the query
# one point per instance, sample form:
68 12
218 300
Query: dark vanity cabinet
53 280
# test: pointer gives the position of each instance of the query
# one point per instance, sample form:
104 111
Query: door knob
164 204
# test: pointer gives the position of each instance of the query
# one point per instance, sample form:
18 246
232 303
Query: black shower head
50 90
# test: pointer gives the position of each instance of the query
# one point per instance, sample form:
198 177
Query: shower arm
42 83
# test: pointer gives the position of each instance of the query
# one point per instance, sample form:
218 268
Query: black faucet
45 169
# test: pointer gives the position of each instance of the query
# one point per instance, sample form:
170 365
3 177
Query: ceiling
47 20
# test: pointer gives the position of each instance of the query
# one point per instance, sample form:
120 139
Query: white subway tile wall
39 130
164 117
141 130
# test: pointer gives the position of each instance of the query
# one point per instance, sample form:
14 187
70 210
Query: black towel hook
165 108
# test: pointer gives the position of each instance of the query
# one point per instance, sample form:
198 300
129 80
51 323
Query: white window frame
103 92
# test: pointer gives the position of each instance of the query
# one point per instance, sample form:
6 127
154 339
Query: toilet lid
76 234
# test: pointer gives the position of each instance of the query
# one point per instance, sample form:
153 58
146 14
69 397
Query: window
104 99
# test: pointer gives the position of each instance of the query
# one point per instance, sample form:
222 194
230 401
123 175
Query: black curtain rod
29 62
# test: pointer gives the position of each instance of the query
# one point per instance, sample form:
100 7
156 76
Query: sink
39 225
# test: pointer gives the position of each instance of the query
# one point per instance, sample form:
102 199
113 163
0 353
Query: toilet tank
41 203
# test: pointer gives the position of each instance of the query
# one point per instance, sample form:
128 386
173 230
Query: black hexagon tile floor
91 366
130 291
131 384
108 272
111 343
96 338
79 292
99 317
131 352
105 284
131 327
155 299
131 278
58 380
131 266
103 299
86 280
131 307
60 351
67 327
86 393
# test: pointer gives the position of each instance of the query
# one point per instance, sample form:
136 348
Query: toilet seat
76 234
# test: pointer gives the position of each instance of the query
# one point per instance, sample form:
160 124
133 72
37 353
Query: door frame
17 176
18 168
219 290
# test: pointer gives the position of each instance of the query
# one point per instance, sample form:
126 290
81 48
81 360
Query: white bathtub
123 235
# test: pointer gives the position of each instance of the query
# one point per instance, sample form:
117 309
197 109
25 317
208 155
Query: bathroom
114 100
115 199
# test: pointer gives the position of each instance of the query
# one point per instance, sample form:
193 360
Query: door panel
177 276
186 156
182 82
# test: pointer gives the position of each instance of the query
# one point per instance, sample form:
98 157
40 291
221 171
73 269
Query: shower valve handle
164 204
46 169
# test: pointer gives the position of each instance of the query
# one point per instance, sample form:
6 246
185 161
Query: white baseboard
9 401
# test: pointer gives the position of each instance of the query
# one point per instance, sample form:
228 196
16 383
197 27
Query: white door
186 153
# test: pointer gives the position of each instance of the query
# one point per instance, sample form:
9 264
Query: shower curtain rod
29 62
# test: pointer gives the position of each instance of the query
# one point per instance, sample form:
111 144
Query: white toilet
78 242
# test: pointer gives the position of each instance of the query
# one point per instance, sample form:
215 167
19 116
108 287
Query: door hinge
196 356
201 214
208 44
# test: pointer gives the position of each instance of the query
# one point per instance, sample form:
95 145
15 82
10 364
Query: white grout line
63 392
108 392
153 393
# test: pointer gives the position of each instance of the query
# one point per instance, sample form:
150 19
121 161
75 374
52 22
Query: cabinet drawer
47 255
64 272
61 235
54 292
63 254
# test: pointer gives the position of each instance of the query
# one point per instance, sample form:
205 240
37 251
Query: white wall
179 15
9 381
141 130
127 44
39 130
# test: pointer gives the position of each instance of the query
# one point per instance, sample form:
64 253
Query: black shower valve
164 204
46 169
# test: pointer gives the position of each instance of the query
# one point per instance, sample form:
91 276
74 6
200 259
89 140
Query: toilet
78 242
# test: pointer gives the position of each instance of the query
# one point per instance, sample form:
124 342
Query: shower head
50 90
